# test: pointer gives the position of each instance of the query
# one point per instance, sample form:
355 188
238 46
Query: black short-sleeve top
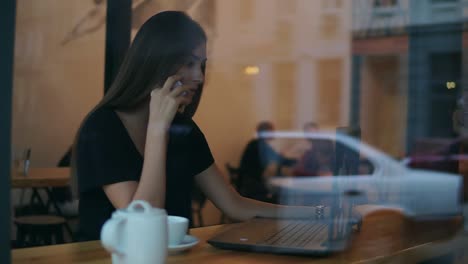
105 154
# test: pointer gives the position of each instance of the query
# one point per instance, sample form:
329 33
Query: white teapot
137 234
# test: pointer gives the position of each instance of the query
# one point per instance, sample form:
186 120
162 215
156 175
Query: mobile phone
176 84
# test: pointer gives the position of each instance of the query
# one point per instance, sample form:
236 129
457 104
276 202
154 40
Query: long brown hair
163 44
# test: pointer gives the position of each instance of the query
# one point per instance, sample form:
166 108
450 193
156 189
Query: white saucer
188 242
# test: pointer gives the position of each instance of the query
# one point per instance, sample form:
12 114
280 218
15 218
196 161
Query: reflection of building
142 10
200 10
301 49
405 55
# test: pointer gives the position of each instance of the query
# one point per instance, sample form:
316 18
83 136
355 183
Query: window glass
365 100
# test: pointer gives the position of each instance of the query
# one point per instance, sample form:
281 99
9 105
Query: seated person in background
310 127
299 147
317 161
260 161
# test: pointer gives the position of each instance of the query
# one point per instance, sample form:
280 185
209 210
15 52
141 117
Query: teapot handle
110 234
138 205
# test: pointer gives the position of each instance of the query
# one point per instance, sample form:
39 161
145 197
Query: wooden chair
235 180
37 230
198 203
64 196
234 176
347 162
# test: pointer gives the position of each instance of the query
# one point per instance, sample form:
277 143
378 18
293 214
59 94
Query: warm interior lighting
451 85
251 70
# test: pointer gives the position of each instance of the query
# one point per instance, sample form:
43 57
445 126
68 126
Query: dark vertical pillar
418 77
464 86
7 44
355 107
118 34
425 43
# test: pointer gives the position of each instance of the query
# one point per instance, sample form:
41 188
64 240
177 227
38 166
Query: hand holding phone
166 101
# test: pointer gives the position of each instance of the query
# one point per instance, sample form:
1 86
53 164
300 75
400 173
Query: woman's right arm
152 185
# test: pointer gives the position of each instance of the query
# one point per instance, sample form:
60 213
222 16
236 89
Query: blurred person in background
258 162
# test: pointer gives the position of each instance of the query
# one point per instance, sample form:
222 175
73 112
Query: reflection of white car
384 181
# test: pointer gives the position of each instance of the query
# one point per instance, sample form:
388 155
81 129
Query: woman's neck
138 114
136 123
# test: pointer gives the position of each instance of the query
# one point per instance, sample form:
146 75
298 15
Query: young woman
140 141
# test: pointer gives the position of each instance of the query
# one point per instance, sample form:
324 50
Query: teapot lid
142 207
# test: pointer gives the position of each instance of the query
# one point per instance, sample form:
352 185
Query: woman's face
191 71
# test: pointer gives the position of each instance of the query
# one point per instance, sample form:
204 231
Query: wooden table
41 178
377 242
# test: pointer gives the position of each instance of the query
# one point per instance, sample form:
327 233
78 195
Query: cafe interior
354 109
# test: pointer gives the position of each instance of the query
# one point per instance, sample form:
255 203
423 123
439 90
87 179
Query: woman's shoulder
102 114
101 118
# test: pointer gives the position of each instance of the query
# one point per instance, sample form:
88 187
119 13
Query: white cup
177 229
137 234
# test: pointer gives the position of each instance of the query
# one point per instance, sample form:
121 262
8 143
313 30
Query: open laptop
290 236
330 232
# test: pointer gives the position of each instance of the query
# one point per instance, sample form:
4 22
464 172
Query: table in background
46 179
394 242
42 178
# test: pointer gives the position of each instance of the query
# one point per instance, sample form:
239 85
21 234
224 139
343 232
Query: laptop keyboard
298 234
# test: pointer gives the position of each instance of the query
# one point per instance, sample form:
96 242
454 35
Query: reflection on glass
395 69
